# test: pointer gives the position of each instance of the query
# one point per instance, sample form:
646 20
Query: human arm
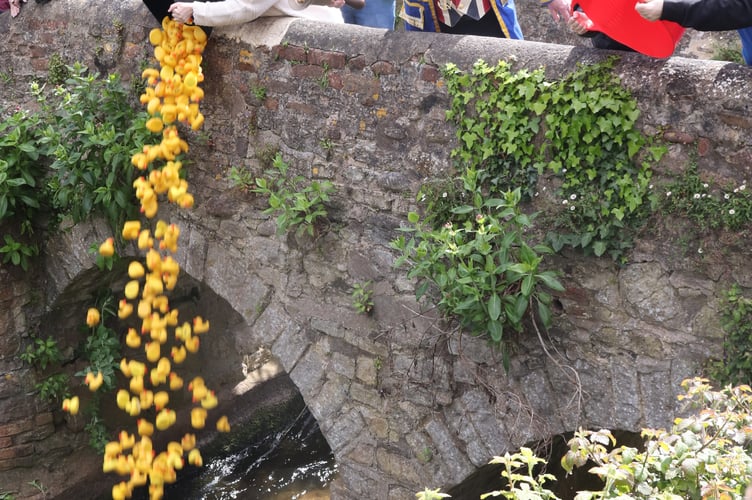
702 15
559 9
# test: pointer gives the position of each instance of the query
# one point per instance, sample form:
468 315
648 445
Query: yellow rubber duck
137 384
178 354
183 332
126 440
121 491
223 425
161 400
92 317
138 478
131 229
198 417
199 325
133 407
123 397
165 419
113 449
71 405
209 401
107 248
131 289
133 339
176 383
144 427
188 442
94 380
136 270
146 398
145 240
125 309
192 344
152 350
194 458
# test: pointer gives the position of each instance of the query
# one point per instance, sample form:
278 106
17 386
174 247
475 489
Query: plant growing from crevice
705 204
362 297
736 315
44 355
300 204
242 178
481 272
101 346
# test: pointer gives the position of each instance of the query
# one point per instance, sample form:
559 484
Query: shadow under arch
257 395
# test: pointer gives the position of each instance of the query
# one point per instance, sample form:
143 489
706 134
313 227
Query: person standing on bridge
705 15
496 18
232 12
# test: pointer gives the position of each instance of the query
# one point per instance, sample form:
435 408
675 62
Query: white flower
536 193
444 195
732 211
563 170
699 250
726 196
668 193
742 187
564 202
697 196
650 186
572 196
705 185
571 208
704 195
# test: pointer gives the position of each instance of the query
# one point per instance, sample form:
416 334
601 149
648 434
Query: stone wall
402 404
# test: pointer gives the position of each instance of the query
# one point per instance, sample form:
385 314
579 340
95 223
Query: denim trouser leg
746 35
375 14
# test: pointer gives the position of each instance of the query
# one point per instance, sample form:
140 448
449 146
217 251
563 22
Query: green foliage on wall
576 134
68 158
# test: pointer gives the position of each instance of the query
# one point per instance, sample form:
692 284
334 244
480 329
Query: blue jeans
375 14
746 35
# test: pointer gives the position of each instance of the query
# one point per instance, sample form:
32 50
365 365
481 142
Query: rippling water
293 464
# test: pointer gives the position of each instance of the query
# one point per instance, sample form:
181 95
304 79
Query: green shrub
300 205
483 272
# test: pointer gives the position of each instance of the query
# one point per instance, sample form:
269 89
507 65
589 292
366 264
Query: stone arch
246 375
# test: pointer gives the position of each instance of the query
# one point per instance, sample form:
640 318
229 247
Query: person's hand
580 23
181 12
559 10
650 9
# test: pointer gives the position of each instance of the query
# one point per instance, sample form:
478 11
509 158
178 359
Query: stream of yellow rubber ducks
172 96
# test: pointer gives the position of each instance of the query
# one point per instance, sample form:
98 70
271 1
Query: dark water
292 464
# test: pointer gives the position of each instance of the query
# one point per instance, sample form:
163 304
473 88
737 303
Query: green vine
578 133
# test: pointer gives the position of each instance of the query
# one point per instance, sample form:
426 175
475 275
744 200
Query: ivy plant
520 128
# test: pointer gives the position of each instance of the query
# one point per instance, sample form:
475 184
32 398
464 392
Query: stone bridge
402 402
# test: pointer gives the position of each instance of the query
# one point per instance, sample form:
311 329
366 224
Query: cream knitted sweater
231 12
